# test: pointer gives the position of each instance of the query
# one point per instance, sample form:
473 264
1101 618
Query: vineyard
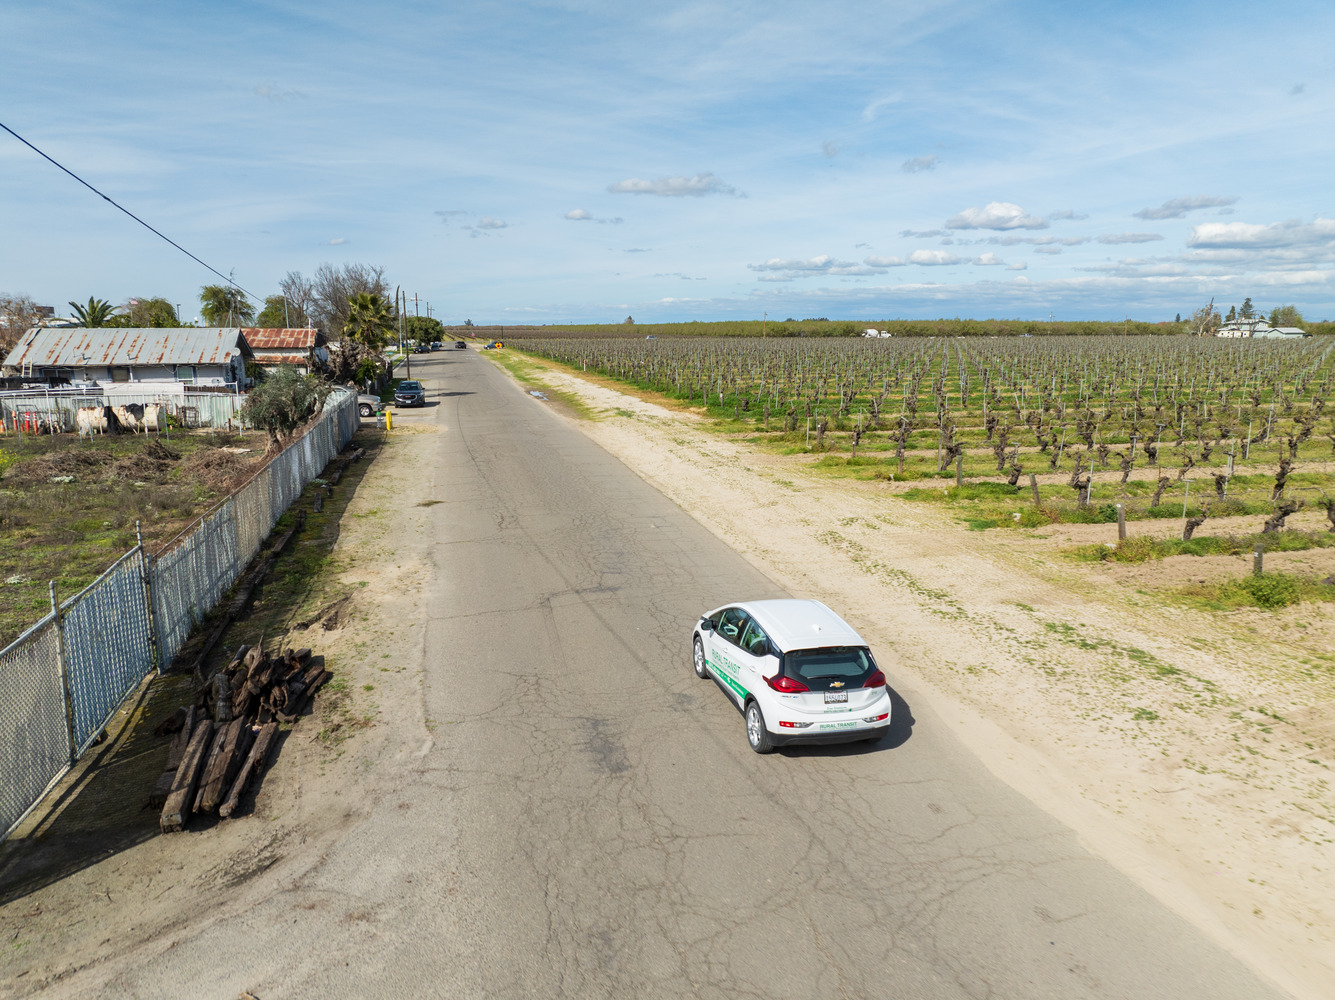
1181 428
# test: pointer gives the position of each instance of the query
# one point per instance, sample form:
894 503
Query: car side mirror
706 625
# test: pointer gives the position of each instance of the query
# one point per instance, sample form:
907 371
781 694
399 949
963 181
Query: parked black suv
409 393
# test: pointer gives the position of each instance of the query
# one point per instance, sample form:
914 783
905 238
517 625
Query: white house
111 356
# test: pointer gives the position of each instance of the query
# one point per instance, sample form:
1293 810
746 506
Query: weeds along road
586 819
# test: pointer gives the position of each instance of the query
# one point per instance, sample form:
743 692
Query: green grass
1141 549
1269 592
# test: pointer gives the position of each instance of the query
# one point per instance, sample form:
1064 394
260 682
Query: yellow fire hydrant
389 420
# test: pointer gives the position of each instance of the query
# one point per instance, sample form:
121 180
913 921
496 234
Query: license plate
834 697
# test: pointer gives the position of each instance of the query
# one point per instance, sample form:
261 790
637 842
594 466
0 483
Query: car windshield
409 386
841 662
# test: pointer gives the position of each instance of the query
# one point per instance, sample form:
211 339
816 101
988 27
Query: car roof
799 624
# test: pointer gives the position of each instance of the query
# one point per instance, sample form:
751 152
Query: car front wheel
756 733
366 409
699 659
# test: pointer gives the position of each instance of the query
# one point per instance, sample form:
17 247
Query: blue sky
576 162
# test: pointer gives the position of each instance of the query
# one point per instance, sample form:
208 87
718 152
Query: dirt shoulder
1192 748
88 885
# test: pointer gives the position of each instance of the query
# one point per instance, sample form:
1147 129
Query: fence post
1033 485
63 668
1121 523
959 470
146 566
1258 557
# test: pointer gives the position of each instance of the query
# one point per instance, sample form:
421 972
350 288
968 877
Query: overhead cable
125 210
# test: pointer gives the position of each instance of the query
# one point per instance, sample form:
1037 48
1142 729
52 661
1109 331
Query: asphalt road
590 822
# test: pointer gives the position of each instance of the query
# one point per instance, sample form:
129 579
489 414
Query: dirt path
1192 749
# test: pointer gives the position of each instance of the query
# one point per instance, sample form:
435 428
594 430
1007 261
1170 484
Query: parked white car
797 671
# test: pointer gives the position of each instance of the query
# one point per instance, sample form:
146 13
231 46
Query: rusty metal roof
283 359
283 338
81 346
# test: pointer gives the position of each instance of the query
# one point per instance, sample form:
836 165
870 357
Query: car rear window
845 663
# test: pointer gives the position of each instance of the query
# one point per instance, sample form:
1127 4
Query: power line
125 210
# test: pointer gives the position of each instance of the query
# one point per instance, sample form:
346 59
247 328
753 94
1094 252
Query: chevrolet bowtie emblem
836 684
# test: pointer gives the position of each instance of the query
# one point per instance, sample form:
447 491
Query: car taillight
786 685
877 718
876 680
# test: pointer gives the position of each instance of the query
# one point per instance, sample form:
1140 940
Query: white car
798 672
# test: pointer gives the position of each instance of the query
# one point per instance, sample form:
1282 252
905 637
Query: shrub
1035 517
1272 590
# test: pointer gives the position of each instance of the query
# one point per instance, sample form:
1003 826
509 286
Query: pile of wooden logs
222 741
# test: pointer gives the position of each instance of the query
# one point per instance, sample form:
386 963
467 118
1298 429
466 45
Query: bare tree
1205 321
299 291
333 287
17 314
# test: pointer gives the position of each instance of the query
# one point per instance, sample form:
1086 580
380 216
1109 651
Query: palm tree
225 305
370 320
96 313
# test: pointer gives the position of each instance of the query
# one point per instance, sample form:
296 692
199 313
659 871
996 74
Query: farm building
304 347
1258 328
211 357
1281 332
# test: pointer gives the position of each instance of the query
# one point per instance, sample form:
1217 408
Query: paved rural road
589 822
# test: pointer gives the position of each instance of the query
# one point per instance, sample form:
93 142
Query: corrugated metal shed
283 338
81 346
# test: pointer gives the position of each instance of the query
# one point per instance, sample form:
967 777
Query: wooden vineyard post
959 470
1121 522
1033 485
1258 558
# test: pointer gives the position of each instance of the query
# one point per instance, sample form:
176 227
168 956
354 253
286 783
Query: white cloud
1065 213
1048 249
580 215
788 269
1041 241
272 92
1114 238
873 110
337 241
988 260
920 163
822 263
1176 208
922 234
1022 265
1245 235
675 187
487 222
995 215
932 258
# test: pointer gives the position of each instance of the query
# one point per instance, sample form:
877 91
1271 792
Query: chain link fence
61 681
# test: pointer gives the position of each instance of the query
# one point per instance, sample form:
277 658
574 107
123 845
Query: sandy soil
1192 748
128 894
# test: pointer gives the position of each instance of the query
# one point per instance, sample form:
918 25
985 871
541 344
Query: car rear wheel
365 409
756 733
699 659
